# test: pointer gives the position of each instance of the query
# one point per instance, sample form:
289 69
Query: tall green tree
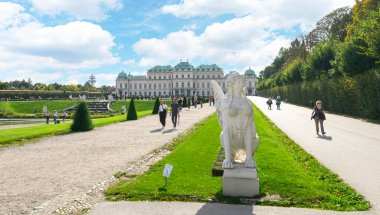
156 106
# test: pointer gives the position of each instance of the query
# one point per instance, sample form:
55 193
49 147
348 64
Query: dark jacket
320 113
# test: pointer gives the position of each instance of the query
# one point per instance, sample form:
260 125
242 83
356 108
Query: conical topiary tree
82 120
184 102
132 114
156 106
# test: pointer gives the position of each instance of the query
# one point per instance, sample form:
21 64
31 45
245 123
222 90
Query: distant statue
82 98
44 109
235 115
110 98
71 97
123 110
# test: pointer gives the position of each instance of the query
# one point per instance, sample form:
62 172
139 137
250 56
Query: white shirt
163 107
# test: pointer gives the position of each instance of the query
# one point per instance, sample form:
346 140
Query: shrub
184 102
156 106
82 121
132 114
357 96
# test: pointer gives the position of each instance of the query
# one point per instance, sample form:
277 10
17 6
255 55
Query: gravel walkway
40 177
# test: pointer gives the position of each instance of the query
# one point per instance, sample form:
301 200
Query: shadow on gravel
168 131
324 137
156 130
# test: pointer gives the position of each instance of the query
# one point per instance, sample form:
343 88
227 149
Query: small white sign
167 170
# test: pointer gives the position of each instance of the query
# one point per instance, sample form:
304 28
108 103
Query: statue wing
218 96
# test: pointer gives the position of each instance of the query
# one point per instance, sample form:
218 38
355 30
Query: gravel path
350 148
40 177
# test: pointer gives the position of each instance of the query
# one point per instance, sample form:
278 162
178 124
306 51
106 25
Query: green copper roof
158 68
122 75
130 76
184 66
250 73
208 68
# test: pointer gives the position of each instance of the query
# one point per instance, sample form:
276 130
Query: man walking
174 112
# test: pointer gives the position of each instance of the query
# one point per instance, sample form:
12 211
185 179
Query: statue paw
227 164
250 163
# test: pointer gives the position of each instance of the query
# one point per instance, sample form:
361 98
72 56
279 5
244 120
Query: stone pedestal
240 181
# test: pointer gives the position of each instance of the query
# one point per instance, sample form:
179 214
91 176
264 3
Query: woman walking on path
278 102
195 102
162 112
269 103
64 115
47 115
318 115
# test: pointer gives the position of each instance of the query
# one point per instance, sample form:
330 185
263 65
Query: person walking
319 116
64 115
55 117
47 116
174 112
201 101
278 102
269 103
180 103
163 112
195 102
188 103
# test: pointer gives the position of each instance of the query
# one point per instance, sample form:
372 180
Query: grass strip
285 171
21 135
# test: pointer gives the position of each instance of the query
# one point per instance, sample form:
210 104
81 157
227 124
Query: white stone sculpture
82 98
44 109
235 115
110 98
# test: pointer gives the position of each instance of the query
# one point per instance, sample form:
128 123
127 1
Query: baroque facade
180 80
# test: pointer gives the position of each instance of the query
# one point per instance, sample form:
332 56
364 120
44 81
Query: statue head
236 82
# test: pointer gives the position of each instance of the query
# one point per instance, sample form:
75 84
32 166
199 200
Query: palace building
181 80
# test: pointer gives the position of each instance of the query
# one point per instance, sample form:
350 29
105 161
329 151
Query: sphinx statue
235 115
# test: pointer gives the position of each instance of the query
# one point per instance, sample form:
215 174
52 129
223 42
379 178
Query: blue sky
66 41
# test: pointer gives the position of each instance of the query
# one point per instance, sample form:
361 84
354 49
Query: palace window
154 86
188 84
121 85
183 84
183 76
188 75
176 76
144 86
159 77
208 76
176 84
208 84
150 86
203 85
202 76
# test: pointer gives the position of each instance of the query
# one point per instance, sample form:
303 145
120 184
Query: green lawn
28 107
20 135
139 104
284 169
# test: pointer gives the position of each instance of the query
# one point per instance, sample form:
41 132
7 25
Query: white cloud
279 14
239 42
129 62
191 27
249 39
27 46
83 9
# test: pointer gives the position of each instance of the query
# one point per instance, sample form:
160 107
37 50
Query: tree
92 80
332 26
184 102
82 121
72 87
156 106
368 32
132 114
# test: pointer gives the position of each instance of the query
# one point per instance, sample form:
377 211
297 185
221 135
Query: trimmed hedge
357 96
82 120
132 114
184 102
156 106
26 94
